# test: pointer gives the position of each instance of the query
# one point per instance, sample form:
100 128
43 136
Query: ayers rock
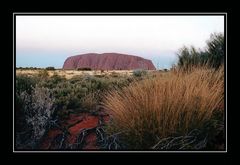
108 61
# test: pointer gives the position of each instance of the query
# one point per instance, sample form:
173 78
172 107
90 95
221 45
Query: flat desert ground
71 73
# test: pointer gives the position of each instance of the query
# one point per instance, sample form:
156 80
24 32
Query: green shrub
50 68
213 56
25 83
67 95
215 50
52 82
38 108
89 102
139 73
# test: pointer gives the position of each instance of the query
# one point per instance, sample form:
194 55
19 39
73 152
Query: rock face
108 61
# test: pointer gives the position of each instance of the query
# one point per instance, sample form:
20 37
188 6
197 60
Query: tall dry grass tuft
165 106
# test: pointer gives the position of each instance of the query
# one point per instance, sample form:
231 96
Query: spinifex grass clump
161 107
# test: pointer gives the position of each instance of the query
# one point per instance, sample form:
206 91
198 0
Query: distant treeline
50 68
36 68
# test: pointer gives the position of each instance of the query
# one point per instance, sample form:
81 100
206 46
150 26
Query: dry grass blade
165 105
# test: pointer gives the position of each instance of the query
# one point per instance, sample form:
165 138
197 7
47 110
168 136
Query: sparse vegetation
43 74
40 94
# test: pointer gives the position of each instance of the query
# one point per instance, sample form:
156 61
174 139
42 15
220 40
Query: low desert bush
50 68
25 83
38 108
90 101
51 82
43 74
161 107
139 72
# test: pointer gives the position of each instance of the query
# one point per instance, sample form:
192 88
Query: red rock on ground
75 124
87 123
73 119
108 61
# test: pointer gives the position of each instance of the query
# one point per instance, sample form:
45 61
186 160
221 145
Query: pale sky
43 41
